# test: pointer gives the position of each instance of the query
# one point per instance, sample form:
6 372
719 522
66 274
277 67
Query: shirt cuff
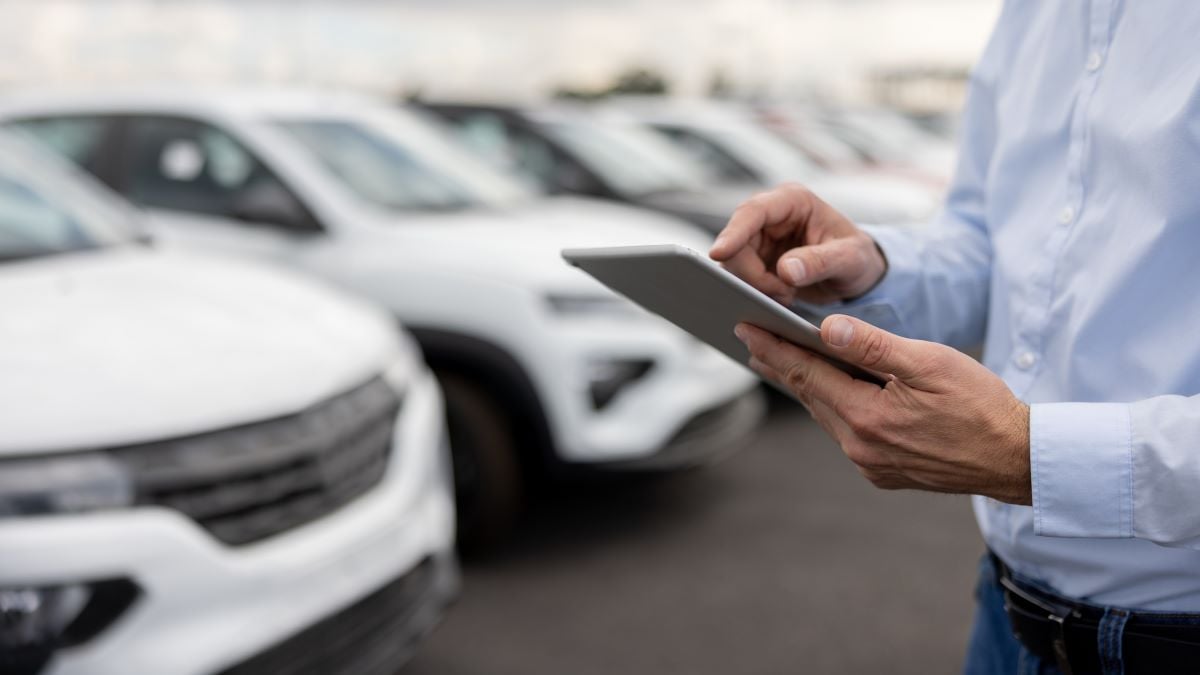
1081 461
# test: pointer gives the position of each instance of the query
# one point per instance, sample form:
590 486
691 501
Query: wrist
1015 484
875 267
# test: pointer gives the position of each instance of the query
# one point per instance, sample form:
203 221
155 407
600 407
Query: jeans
993 649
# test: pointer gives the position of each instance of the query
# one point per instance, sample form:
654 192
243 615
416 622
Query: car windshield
46 207
634 160
819 143
759 148
399 162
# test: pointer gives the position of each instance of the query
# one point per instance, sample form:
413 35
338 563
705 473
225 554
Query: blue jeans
994 650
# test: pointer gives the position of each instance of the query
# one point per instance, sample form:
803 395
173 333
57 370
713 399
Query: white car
205 465
730 141
540 363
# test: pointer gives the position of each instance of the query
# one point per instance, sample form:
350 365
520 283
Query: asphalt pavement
781 559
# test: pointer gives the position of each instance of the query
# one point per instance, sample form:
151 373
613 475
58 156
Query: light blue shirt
1070 245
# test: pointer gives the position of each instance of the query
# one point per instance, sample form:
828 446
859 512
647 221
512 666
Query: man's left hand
943 422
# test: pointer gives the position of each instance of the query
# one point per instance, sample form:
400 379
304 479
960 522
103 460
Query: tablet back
699 296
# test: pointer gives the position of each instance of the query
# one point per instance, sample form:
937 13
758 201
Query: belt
1071 634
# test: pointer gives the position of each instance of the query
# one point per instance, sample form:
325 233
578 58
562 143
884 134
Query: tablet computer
701 297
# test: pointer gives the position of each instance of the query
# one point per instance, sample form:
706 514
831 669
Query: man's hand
790 245
942 423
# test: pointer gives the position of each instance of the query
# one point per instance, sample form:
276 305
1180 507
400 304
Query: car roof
225 101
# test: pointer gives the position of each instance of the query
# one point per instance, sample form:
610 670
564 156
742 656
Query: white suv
204 465
538 361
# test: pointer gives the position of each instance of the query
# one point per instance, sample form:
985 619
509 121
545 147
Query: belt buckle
1057 614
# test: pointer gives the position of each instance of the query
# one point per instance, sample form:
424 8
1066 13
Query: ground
781 559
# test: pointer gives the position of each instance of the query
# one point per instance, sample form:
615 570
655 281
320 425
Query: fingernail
795 270
841 332
720 241
740 332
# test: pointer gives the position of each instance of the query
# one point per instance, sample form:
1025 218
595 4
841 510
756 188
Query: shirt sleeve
1117 470
937 283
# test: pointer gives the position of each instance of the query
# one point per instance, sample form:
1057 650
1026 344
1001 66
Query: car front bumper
707 436
648 421
205 607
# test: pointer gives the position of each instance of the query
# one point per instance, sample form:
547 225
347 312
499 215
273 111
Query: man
1070 246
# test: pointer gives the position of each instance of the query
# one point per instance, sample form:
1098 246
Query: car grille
247 483
374 636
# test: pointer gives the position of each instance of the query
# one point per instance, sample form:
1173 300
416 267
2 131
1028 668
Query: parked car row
698 160
240 483
324 341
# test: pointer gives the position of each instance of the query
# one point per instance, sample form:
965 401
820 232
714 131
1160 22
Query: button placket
1032 326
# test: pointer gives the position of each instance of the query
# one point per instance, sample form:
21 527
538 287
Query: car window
376 168
487 135
710 155
187 165
512 149
47 206
77 138
536 157
30 225
634 160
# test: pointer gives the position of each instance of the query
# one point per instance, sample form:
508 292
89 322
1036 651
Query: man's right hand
789 244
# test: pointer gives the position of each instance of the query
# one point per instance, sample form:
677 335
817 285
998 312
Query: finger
860 343
802 372
782 204
829 421
748 266
807 265
765 371
816 295
774 379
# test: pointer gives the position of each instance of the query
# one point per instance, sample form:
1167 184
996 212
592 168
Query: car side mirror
268 203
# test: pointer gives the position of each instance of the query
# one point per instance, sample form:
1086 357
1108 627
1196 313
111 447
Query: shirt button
1094 61
1025 360
1066 215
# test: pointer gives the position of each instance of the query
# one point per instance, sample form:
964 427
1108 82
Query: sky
490 48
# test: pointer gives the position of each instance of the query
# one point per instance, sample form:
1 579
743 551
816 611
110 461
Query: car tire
487 471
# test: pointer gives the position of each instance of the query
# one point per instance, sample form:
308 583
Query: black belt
1068 633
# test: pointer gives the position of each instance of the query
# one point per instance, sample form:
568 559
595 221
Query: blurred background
294 380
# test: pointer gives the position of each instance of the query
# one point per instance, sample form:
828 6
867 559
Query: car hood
523 245
129 345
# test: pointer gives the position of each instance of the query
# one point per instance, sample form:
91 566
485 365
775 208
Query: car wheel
487 473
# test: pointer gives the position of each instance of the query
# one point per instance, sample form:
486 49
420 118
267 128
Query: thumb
834 260
862 344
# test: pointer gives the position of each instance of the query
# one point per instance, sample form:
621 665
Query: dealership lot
780 560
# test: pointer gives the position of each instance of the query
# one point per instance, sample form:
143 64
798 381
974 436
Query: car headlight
592 305
36 621
73 483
